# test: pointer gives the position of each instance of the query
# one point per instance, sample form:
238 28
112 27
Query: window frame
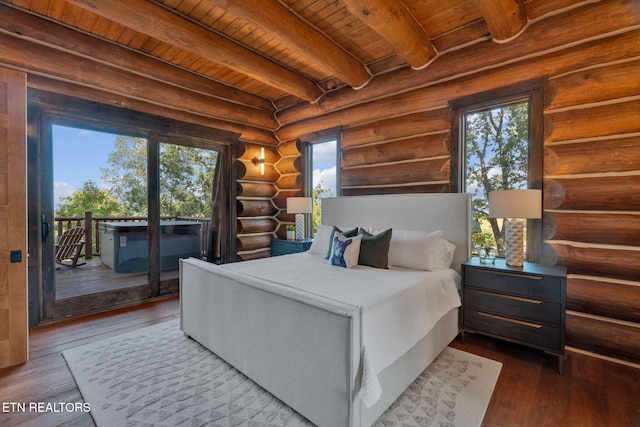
327 135
531 91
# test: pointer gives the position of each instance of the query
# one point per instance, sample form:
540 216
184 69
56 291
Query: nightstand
525 305
284 247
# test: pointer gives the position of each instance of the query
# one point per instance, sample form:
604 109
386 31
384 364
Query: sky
78 156
324 165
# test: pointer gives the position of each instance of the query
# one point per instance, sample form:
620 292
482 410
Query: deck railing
91 226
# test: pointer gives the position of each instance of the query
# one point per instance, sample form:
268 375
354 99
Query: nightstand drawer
528 333
528 285
528 309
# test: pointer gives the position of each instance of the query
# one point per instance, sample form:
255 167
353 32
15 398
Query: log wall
396 138
262 199
256 223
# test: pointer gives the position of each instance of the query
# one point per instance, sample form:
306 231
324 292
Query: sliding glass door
186 200
114 205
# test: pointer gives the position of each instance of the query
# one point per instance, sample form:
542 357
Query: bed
332 355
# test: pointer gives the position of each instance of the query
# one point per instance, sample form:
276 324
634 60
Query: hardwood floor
530 392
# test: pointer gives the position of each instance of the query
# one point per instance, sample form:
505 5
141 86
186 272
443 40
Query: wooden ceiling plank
100 27
201 10
197 64
171 53
348 31
75 15
40 7
174 29
229 25
505 19
537 9
439 17
56 9
114 31
186 7
393 21
126 37
87 21
300 37
475 32
188 61
211 17
172 3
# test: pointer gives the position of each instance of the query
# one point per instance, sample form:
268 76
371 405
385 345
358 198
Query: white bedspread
399 306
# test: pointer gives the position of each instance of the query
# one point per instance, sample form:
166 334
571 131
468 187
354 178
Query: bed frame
306 353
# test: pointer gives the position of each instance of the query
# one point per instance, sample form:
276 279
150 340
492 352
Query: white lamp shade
297 205
515 204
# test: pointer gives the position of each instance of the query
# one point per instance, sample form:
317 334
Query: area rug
157 377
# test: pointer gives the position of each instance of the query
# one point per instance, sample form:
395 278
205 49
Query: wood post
88 233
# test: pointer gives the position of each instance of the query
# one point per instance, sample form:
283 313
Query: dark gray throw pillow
374 249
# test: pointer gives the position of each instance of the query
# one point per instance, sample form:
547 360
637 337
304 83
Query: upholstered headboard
448 212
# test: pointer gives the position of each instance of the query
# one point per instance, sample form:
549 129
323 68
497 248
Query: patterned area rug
157 377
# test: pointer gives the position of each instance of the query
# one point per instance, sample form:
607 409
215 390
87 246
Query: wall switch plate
16 256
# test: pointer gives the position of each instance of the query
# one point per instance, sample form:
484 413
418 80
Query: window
322 178
500 148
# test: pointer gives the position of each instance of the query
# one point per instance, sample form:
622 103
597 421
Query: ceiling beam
157 22
299 36
505 19
393 21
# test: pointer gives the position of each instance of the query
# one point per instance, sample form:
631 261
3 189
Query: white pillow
321 242
444 254
416 249
345 251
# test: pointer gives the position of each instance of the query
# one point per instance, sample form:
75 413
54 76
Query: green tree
319 192
89 198
186 177
497 158
127 174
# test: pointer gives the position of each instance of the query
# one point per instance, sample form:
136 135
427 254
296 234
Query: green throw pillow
374 249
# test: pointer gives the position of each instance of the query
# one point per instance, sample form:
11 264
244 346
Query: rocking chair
69 247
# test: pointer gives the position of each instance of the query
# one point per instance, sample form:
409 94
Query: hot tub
124 246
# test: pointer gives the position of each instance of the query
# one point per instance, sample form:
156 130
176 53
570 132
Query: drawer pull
523 276
493 294
506 319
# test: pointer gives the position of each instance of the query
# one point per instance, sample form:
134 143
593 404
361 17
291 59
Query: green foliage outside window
319 192
497 158
186 179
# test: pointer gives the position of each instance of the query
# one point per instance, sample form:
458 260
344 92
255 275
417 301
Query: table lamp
513 206
299 206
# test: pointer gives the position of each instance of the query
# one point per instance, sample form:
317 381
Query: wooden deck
94 277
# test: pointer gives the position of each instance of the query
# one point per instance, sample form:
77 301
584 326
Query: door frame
46 109
14 339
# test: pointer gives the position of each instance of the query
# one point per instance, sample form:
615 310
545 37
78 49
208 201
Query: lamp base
299 226
514 240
